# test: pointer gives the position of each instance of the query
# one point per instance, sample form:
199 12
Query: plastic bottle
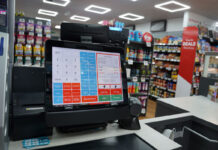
127 53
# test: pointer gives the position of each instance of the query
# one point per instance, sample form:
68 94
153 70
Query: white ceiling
145 8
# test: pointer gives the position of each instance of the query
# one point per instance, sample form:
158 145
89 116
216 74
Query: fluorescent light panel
131 17
57 27
79 18
100 22
47 12
46 19
183 6
97 9
62 3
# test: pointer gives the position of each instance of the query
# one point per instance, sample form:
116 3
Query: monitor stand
130 124
80 128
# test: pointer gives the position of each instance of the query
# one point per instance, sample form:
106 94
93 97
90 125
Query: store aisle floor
151 109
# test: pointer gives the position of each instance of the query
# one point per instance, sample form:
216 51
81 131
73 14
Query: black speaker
132 123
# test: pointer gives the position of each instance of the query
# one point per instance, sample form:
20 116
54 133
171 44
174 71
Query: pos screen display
85 77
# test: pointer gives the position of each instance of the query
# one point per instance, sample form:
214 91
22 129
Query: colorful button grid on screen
58 86
67 85
104 93
58 92
116 91
58 100
116 97
75 86
68 100
66 93
88 77
89 99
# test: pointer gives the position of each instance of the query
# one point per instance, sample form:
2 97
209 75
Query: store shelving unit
211 65
166 59
201 64
138 64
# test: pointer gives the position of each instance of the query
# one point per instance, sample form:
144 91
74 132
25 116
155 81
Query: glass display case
211 65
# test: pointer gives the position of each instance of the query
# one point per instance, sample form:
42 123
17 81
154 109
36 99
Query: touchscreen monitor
85 77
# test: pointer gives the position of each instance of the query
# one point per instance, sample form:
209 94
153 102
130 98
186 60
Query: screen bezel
83 46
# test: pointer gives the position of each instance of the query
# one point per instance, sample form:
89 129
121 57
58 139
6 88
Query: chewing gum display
18 55
38 27
21 25
43 56
18 50
39 39
36 55
28 55
21 38
30 25
30 38
47 28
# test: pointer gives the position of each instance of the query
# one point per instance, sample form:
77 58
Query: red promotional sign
147 37
188 52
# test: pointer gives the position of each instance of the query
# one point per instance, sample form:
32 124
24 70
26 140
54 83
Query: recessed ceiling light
79 18
97 9
47 12
183 6
62 3
132 17
57 27
100 22
46 19
134 0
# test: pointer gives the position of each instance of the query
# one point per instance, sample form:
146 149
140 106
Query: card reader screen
85 77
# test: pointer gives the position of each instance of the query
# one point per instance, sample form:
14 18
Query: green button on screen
104 98
116 97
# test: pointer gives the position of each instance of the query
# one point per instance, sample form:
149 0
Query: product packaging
39 39
43 56
127 53
30 25
28 55
36 55
213 93
131 53
38 27
47 28
30 38
140 55
129 87
21 25
137 36
18 54
131 35
21 38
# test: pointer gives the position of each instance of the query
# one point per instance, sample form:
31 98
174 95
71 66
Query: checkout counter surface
197 106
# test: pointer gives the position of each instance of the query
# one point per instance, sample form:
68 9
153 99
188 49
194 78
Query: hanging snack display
30 38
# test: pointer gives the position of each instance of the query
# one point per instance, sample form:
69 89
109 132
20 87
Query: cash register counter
197 106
